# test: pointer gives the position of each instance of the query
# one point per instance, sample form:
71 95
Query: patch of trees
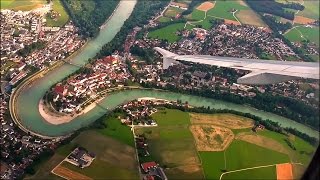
296 6
147 54
28 49
142 10
89 15
191 6
276 25
273 7
43 155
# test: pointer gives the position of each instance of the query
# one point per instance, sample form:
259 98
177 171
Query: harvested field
226 120
68 174
206 6
284 171
302 20
211 138
250 17
263 142
227 21
180 4
185 172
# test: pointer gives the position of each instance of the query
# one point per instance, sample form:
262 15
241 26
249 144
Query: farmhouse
80 157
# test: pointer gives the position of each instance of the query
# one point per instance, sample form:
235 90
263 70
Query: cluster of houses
18 149
105 73
20 29
153 171
80 157
138 112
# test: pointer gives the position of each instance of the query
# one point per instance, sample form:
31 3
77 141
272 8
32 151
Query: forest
142 10
89 15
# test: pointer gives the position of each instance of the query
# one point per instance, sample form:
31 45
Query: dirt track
284 171
68 174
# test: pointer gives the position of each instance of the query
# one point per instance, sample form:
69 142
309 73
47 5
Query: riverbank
54 118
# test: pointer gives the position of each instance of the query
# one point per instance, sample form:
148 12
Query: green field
261 173
311 9
172 12
167 33
171 144
62 20
239 155
23 5
222 8
312 34
117 131
163 19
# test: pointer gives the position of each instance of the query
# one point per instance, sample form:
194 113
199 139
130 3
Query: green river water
28 100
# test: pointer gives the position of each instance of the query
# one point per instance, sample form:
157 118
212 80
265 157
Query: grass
241 155
62 20
210 158
261 173
251 18
117 131
222 9
311 9
23 5
314 57
163 19
171 144
167 33
172 12
169 117
312 34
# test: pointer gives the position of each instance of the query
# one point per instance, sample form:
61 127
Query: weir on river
28 100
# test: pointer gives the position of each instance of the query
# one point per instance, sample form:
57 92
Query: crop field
310 33
226 120
167 33
62 20
68 174
222 9
303 20
250 17
211 138
23 5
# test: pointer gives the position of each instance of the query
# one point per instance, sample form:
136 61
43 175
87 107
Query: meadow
222 9
62 20
172 12
23 5
311 9
310 33
167 33
254 174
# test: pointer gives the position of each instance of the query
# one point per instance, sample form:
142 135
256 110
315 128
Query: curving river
28 99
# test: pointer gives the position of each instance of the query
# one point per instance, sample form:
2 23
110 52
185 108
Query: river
28 99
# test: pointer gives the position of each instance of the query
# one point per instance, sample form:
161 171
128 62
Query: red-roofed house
146 166
110 60
59 89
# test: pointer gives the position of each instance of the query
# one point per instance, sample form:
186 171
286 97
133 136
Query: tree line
142 10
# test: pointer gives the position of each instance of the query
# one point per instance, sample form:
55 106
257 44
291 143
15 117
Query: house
148 165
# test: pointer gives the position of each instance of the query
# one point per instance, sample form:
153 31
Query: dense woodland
142 10
275 8
89 15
